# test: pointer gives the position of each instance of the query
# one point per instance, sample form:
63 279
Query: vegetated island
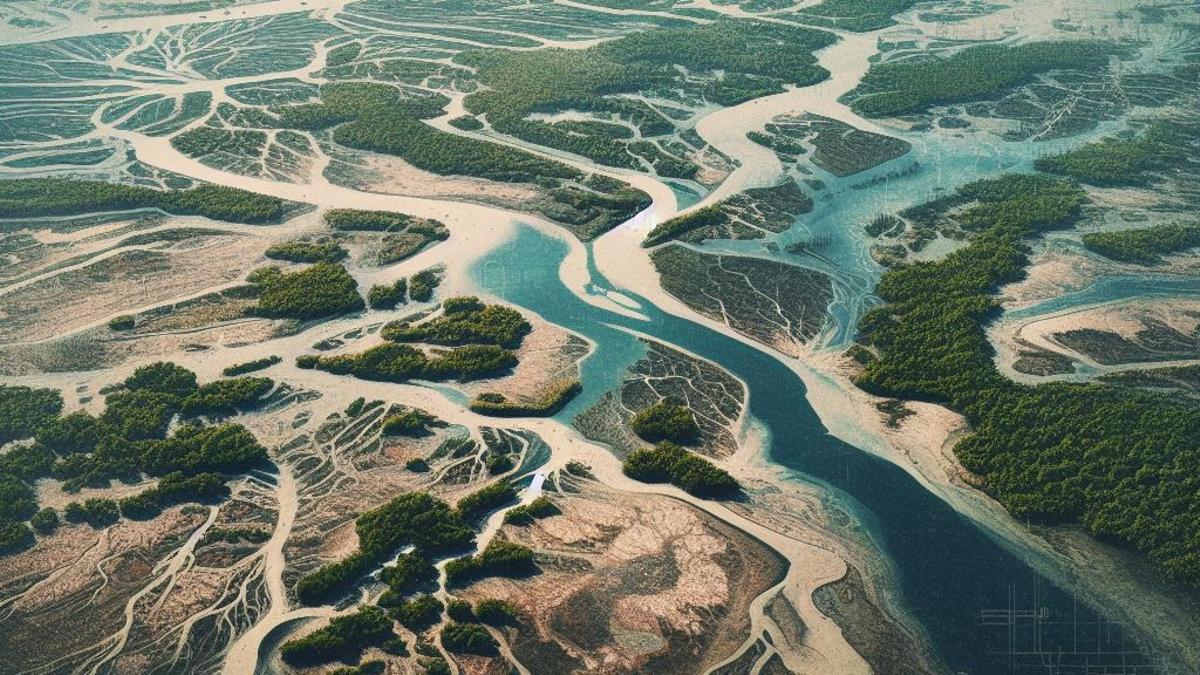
1120 462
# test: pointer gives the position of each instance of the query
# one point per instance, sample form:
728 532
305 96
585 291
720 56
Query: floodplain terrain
747 336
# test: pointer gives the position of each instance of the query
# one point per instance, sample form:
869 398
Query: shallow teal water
833 232
1113 289
983 609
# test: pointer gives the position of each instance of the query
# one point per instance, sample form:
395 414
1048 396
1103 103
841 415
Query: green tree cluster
401 363
424 283
420 613
251 366
127 441
1124 161
860 16
469 638
1144 246
40 197
377 118
317 292
226 397
464 320
344 639
537 509
667 420
500 559
308 252
550 403
174 488
388 296
411 422
483 501
671 463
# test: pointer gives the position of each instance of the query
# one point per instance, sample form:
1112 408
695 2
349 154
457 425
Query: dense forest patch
670 463
1144 246
1125 161
316 292
914 86
1120 462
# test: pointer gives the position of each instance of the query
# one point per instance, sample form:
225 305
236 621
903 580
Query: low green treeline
708 216
39 197
251 366
174 488
670 463
1120 462
537 509
226 397
354 220
913 86
557 398
402 363
308 252
860 16
1124 161
501 558
1144 246
475 506
344 639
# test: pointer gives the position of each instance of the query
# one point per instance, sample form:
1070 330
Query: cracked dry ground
630 583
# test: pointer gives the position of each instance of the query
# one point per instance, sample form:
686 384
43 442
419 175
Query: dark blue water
983 609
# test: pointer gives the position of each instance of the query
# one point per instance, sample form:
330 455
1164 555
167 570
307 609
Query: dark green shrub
460 610
45 521
251 366
539 508
308 252
469 638
344 639
667 420
318 292
419 613
483 501
496 612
